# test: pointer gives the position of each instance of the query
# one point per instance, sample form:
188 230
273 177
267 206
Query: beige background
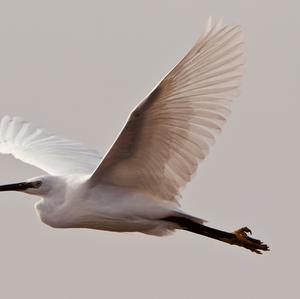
78 68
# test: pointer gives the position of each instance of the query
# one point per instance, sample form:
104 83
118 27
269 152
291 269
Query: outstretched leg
239 237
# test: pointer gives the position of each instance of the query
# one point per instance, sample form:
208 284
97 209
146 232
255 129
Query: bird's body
70 202
136 186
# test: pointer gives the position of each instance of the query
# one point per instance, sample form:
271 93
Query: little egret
136 186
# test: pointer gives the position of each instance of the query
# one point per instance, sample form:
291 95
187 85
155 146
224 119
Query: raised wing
168 133
53 154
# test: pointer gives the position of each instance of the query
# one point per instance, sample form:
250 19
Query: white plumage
137 185
53 154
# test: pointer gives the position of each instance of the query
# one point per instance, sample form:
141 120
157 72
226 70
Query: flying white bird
136 186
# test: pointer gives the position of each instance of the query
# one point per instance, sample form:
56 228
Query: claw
248 230
242 239
243 231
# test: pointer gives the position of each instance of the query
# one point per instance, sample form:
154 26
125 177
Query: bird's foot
242 239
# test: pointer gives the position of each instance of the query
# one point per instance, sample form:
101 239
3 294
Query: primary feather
54 154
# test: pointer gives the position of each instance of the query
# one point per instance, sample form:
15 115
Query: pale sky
77 68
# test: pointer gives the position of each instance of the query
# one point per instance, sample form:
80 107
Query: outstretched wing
169 132
53 154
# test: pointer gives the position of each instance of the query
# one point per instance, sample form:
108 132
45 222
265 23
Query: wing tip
216 24
7 117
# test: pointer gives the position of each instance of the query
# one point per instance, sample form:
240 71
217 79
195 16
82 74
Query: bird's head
36 186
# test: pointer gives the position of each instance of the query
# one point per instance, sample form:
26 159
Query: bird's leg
239 237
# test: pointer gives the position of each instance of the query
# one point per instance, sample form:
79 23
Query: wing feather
172 130
54 154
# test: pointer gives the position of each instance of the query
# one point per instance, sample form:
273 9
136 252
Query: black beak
20 186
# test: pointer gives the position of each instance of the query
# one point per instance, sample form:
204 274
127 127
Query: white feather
54 154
